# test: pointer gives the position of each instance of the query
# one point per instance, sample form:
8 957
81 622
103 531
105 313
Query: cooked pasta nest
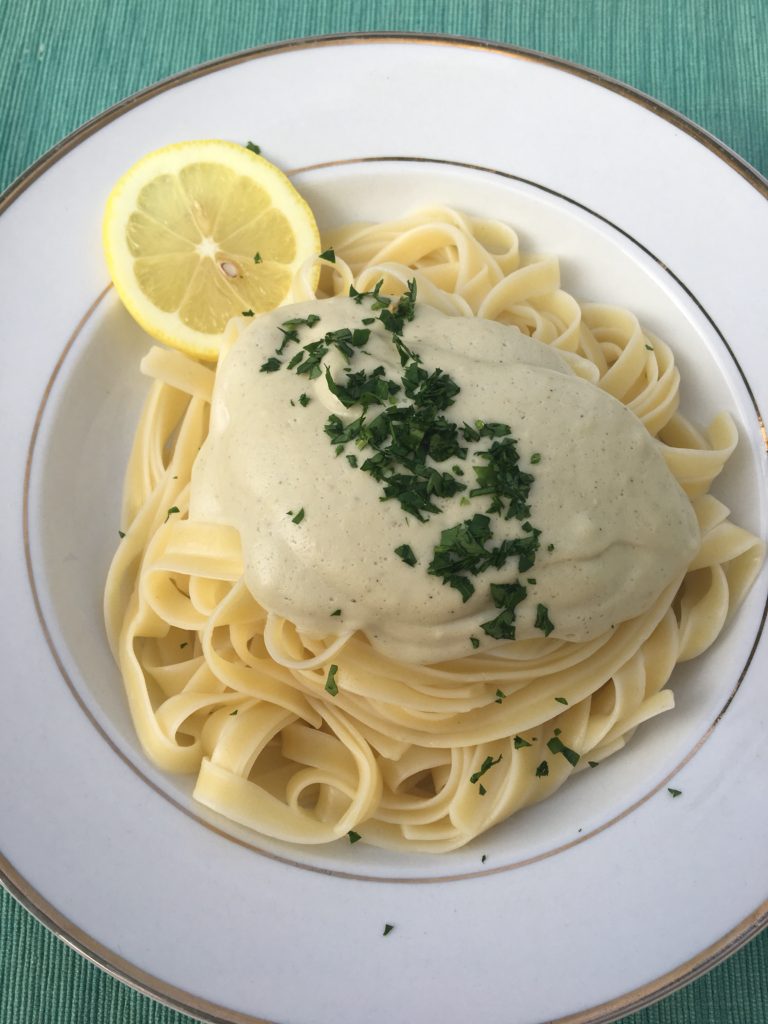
411 757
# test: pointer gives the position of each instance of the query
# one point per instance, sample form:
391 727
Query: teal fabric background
64 61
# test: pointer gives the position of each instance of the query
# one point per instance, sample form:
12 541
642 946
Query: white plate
585 907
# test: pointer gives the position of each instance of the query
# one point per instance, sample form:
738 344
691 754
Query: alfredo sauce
319 542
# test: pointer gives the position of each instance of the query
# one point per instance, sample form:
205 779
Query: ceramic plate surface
583 908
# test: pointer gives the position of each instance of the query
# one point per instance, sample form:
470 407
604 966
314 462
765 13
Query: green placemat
63 61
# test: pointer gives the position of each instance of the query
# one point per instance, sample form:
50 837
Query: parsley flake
354 837
172 511
405 551
674 792
543 621
593 764
298 517
488 763
328 255
304 399
331 687
499 697
474 641
270 366
388 928
337 612
257 257
185 644
501 479
535 458
506 596
231 713
561 700
482 790
556 746
120 534
253 147
542 770
520 742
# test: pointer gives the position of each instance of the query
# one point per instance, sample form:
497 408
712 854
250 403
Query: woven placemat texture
64 61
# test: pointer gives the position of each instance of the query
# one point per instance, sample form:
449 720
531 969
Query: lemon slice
198 232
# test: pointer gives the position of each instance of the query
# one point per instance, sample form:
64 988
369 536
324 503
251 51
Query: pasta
223 687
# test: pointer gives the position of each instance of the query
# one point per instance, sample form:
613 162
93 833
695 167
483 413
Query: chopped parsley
561 700
543 621
337 612
354 837
257 257
308 360
185 644
481 429
388 928
362 388
674 792
462 549
536 458
271 365
483 858
542 770
520 742
501 478
474 641
506 596
120 534
482 790
488 763
593 764
253 147
172 511
247 312
328 255
556 746
649 347
499 697
331 686
232 713
298 517
379 301
304 399
405 551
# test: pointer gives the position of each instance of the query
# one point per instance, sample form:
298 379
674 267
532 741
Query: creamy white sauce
621 526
